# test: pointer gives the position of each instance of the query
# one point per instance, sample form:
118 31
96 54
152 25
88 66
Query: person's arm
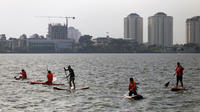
135 86
175 71
182 68
68 75
48 76
66 69
129 88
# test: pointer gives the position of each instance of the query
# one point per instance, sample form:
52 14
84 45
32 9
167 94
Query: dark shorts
72 78
132 92
48 82
179 78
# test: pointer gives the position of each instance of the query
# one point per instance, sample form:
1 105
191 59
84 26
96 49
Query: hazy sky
94 17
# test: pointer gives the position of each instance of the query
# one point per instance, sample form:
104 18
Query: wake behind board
135 97
70 89
46 83
178 89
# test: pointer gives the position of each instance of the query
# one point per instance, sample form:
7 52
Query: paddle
17 75
47 68
54 79
167 84
66 73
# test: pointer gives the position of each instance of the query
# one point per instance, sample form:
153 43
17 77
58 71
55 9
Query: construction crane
58 17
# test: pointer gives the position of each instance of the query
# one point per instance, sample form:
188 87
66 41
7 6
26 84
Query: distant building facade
2 37
57 32
133 27
57 40
193 30
74 34
160 30
43 45
101 40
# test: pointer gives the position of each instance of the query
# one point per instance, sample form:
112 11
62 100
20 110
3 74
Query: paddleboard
46 83
57 88
178 89
135 97
19 78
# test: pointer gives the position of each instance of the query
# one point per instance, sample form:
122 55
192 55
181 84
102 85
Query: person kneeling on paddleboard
71 76
179 74
24 76
49 77
132 87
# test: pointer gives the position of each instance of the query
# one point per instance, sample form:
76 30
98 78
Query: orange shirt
50 77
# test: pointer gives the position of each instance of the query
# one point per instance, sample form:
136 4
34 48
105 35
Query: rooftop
160 14
133 14
195 18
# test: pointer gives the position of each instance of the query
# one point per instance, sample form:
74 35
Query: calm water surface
107 75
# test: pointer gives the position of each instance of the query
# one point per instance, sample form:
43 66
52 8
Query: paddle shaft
17 75
167 84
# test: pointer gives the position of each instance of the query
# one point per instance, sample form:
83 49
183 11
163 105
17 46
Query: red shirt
50 77
24 75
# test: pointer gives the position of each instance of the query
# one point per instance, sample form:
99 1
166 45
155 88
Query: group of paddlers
49 81
179 77
132 84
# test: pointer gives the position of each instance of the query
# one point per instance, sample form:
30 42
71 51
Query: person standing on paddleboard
24 76
132 87
49 77
71 76
179 74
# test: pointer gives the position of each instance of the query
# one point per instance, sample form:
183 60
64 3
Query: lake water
107 75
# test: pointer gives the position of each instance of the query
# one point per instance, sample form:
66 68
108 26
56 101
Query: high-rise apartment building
193 30
133 27
160 30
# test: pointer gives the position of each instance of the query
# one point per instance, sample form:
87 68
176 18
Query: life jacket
179 70
24 75
132 86
50 77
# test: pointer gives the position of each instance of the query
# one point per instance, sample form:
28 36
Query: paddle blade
85 88
57 88
167 84
55 78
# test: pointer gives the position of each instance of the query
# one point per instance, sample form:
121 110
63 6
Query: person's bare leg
73 84
70 85
177 83
181 83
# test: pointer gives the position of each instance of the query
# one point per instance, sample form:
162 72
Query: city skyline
95 17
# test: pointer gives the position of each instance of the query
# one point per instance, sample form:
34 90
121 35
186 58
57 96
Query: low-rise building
49 45
2 37
101 40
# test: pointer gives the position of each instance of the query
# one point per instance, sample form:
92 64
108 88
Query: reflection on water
107 75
